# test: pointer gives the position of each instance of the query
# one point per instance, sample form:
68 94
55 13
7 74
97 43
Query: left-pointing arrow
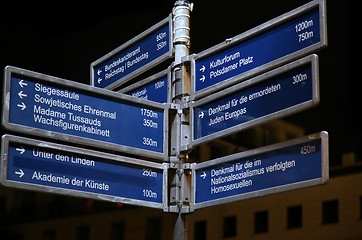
21 94
20 173
21 150
22 83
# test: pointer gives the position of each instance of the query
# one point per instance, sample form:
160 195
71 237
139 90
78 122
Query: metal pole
179 232
181 43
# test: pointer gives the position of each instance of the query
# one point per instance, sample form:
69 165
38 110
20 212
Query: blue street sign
276 168
134 57
154 88
275 94
51 107
44 166
274 43
154 91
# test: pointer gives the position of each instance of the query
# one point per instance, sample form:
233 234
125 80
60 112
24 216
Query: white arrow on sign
202 79
21 94
201 115
203 175
99 80
22 83
22 106
21 173
99 72
21 150
202 69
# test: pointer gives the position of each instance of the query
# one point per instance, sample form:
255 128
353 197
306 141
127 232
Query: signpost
294 164
155 88
134 57
43 166
271 44
272 95
246 81
55 108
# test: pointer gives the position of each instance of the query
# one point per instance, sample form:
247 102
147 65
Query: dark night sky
63 41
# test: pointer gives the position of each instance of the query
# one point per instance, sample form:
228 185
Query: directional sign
155 88
134 57
51 107
272 95
276 168
271 44
44 166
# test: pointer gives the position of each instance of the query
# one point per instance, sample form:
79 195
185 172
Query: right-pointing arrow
22 106
202 79
21 150
203 175
202 69
201 115
21 173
